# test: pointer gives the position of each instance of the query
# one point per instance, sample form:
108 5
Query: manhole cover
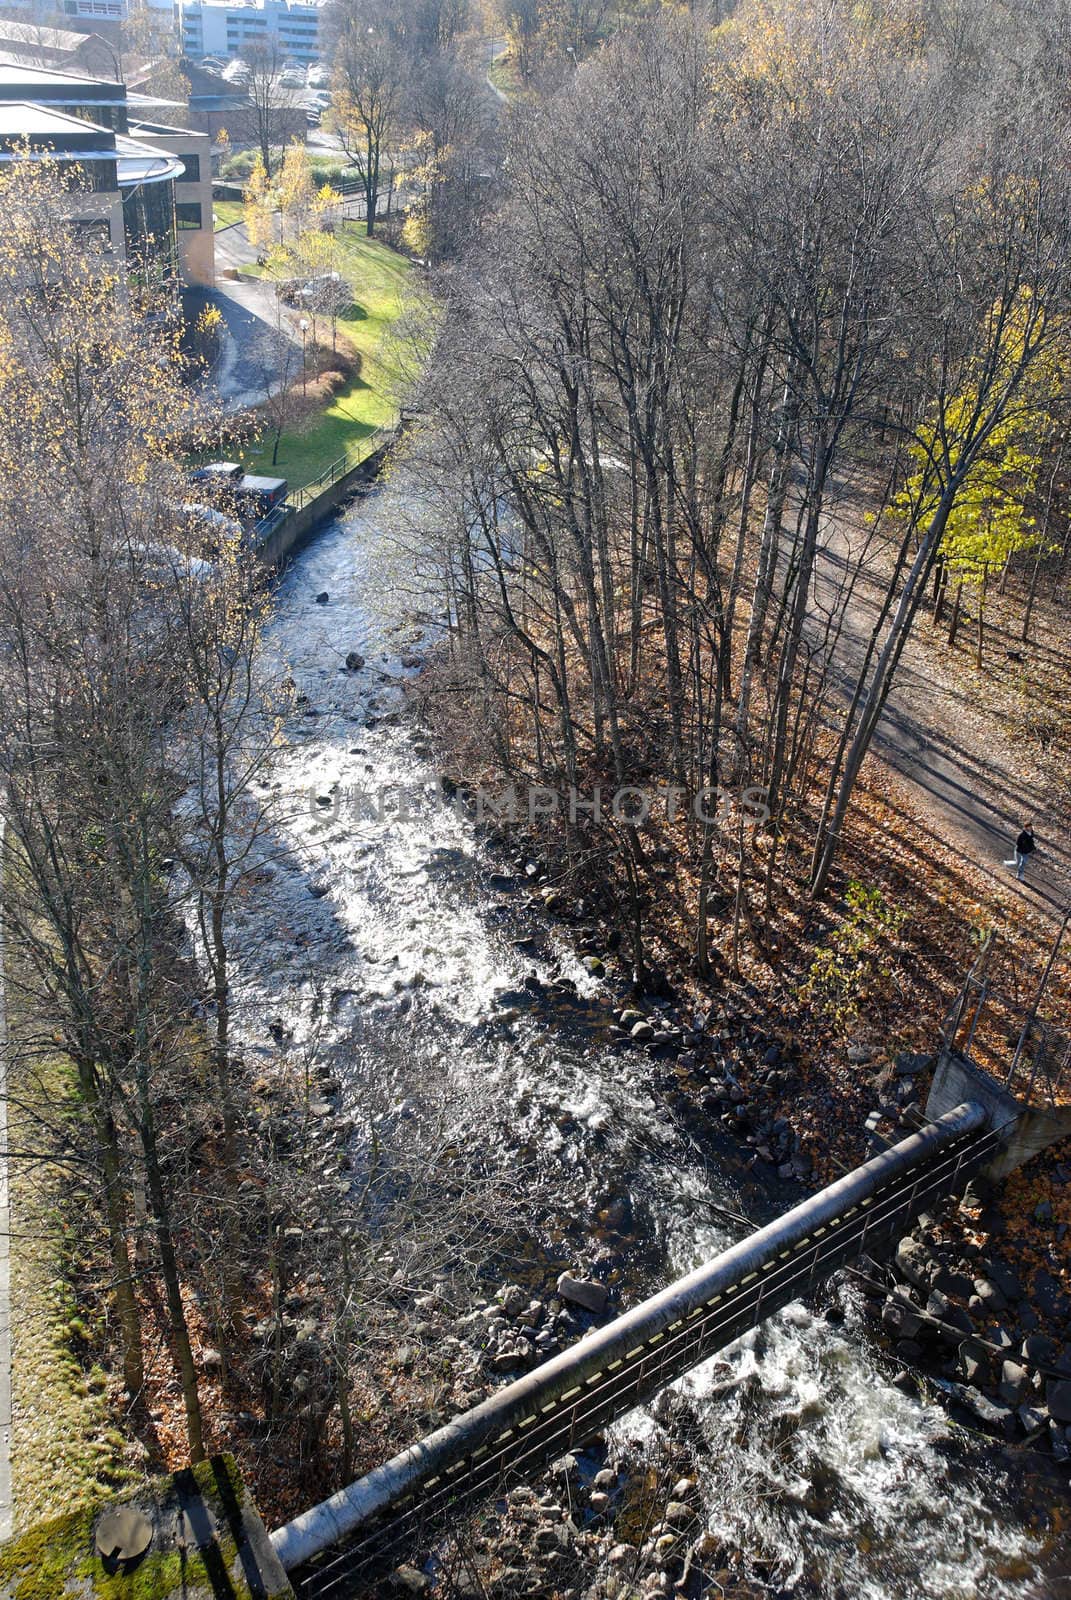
123 1535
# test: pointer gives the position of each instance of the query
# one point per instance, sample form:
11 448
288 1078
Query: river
386 939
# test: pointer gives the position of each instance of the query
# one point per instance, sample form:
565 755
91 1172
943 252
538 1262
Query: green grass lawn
504 75
225 213
380 278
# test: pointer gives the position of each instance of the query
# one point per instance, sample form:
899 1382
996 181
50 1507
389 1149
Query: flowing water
385 938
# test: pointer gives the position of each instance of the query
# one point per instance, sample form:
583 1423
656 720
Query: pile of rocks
965 1314
598 1528
517 1331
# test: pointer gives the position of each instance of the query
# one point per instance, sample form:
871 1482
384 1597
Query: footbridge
336 1548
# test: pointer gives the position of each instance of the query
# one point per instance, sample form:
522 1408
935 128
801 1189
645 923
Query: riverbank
827 1043
363 401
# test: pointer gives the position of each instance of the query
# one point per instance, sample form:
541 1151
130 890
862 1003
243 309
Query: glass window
191 170
188 214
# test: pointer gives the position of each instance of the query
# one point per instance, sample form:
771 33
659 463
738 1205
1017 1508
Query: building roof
74 139
29 34
30 79
23 119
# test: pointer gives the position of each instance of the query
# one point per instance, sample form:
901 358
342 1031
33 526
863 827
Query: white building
226 28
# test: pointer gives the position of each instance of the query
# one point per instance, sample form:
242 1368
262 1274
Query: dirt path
974 787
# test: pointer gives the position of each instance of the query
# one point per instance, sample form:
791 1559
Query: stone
595 966
584 1292
900 1318
974 1360
988 1295
1039 1350
407 1580
1014 1383
988 1411
678 1514
1003 1279
642 1032
907 1383
322 598
354 661
211 1360
861 1054
1058 1399
914 1262
513 1300
598 1500
1033 1420
910 1064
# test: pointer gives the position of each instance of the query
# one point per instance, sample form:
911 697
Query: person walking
1025 846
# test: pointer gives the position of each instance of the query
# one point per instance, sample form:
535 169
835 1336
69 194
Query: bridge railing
561 1404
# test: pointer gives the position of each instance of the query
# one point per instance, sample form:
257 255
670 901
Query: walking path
963 768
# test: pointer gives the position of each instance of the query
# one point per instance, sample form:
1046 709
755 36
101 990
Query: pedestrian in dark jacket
1025 846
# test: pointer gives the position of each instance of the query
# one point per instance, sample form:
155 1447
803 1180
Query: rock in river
583 1292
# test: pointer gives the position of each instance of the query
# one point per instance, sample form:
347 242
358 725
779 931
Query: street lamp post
304 326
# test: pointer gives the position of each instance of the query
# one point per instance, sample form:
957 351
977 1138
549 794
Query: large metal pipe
351 1508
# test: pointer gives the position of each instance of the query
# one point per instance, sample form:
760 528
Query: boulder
1033 1420
1003 1279
642 1032
583 1292
1039 1350
909 1064
1014 1383
407 1580
899 1318
988 1295
354 661
914 1262
513 1300
988 1411
678 1514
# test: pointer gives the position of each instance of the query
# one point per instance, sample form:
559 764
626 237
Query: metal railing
297 499
1040 1066
543 1415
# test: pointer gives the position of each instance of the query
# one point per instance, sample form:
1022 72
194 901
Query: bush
847 970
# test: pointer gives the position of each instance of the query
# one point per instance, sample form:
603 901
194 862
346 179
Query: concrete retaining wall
206 1540
1026 1128
297 527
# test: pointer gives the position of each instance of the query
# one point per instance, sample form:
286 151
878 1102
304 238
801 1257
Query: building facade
148 185
226 28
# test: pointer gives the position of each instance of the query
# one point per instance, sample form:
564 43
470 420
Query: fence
1024 1049
298 499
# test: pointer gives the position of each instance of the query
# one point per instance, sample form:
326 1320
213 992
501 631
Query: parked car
320 293
246 496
